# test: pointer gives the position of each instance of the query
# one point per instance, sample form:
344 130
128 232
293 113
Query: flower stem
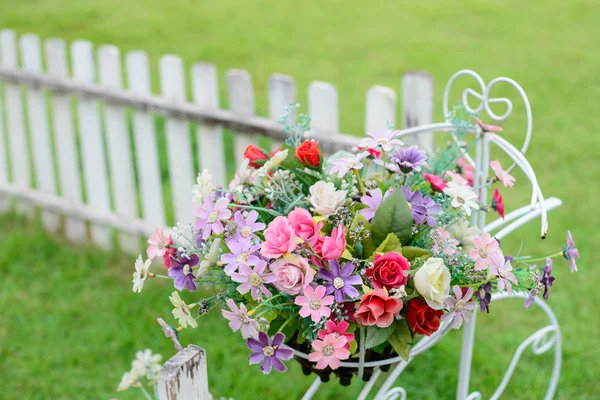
153 275
145 392
263 209
530 260
361 186
251 312
284 324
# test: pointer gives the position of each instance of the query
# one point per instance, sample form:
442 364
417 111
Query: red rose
254 154
421 318
309 153
497 203
388 270
436 182
377 308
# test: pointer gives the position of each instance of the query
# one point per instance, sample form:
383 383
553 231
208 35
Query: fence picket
4 201
241 101
205 90
39 128
323 110
17 139
417 107
282 92
380 109
138 78
172 83
64 135
92 147
119 146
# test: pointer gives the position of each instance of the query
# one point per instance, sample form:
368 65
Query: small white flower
399 293
209 259
325 199
464 233
462 196
146 364
432 281
272 163
140 274
128 380
182 312
385 140
203 188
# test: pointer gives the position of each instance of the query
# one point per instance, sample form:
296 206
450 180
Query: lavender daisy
182 271
484 295
373 201
570 252
253 279
340 282
242 253
211 215
459 308
246 227
409 159
239 320
422 207
344 165
385 139
269 352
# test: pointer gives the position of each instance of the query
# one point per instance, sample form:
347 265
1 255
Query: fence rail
76 140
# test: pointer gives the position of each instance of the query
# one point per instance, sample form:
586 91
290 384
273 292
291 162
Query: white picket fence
93 141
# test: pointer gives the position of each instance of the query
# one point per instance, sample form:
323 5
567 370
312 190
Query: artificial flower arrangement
300 251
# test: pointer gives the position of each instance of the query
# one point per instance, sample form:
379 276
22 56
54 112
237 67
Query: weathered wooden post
184 376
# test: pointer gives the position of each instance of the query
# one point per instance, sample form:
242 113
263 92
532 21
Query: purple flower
171 333
460 308
211 215
484 295
239 319
269 353
570 252
242 253
373 201
409 159
183 273
340 282
253 280
422 207
547 278
247 227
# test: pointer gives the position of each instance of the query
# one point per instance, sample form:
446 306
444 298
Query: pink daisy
502 268
314 303
507 179
329 351
485 247
159 244
338 330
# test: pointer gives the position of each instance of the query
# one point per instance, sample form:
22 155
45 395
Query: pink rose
292 274
280 238
377 308
334 246
304 226
318 246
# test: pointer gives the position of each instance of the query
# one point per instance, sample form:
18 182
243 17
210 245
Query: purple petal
325 274
334 266
278 365
353 280
339 296
284 354
347 270
351 292
189 283
278 339
263 338
266 365
254 344
255 358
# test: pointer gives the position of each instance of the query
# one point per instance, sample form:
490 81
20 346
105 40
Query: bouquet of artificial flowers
301 250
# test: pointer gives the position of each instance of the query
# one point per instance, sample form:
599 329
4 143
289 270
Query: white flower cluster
146 365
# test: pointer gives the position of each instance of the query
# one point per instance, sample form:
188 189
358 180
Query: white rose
325 199
432 281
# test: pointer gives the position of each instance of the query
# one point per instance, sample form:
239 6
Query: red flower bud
255 155
309 153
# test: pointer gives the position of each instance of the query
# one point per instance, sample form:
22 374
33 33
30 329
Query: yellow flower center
212 217
246 231
268 351
338 283
242 258
314 304
460 200
483 253
459 305
328 350
255 279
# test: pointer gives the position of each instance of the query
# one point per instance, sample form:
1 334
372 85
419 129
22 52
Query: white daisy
182 311
140 274
146 364
464 233
128 380
462 196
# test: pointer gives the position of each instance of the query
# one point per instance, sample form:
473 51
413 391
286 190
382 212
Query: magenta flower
211 215
459 308
329 351
488 128
570 252
247 227
503 176
269 352
314 303
344 165
171 333
181 270
253 280
243 252
502 269
373 201
485 247
239 320
340 282
385 140
340 329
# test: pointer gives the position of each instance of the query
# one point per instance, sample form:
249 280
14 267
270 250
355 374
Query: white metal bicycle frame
540 341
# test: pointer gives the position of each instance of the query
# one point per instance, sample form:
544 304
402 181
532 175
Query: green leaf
401 340
391 243
291 161
392 216
353 347
411 253
377 336
346 255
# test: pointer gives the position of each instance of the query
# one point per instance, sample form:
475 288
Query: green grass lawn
70 324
